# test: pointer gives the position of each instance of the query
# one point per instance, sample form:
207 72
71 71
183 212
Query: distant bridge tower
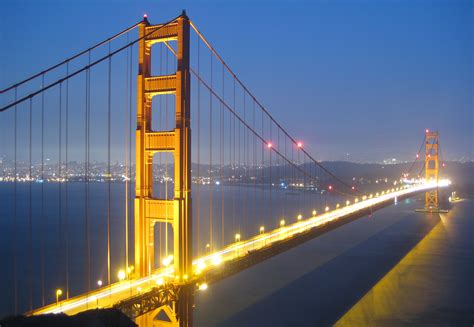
149 210
432 169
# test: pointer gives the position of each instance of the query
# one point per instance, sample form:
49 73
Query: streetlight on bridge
59 292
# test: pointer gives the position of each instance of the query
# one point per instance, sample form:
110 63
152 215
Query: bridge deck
237 256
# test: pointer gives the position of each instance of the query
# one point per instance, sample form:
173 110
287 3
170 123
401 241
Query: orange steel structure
432 169
149 210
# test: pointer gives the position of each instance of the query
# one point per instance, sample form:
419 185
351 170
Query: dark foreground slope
96 318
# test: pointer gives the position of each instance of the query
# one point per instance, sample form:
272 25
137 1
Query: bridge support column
432 170
149 210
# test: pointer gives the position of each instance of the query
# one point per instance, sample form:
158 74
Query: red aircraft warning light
330 187
427 131
300 144
353 188
269 145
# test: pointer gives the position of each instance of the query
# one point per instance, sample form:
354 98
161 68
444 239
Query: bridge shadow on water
327 293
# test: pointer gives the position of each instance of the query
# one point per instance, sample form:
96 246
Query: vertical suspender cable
198 226
232 156
30 211
60 227
109 100
15 278
244 164
43 218
66 216
130 137
263 166
232 147
161 128
239 181
254 147
270 186
166 163
127 133
86 178
222 162
210 164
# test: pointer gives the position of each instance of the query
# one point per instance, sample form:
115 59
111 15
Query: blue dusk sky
355 80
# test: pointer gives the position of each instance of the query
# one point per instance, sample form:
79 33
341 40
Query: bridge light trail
200 266
216 260
235 250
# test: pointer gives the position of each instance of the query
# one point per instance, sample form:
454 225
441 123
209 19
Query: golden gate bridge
256 190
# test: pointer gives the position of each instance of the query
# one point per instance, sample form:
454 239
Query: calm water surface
394 268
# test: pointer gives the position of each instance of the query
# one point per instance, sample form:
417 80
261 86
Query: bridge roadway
209 264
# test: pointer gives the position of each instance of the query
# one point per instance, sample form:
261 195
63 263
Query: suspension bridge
93 226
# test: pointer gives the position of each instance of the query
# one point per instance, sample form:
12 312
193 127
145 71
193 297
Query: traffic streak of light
238 249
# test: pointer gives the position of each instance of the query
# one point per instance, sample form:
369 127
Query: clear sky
357 80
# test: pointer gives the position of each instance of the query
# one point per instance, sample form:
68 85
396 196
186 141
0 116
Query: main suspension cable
66 61
85 68
264 109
